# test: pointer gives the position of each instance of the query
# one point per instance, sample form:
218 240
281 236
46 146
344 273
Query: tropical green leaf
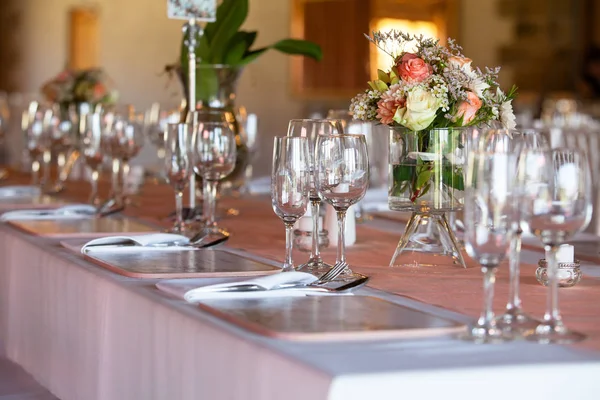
253 55
299 47
237 47
234 13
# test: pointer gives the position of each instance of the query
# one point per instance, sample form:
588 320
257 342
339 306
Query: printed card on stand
201 10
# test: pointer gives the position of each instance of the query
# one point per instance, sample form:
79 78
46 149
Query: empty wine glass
91 146
557 204
513 142
214 155
38 119
311 129
342 179
489 214
178 165
290 186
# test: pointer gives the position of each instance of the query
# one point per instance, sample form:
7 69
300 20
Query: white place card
201 10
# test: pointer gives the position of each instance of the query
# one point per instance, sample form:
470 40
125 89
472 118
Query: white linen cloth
75 211
196 290
148 242
20 191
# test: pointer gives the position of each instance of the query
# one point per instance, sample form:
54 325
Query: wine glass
91 146
214 155
290 186
557 204
311 129
36 121
513 142
178 164
342 179
62 141
489 214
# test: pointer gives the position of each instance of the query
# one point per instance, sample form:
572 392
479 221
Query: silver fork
333 273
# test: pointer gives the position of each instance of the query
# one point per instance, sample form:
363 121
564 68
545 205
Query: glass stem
552 315
47 157
94 183
315 255
179 210
124 175
514 302
35 172
116 171
341 247
288 264
489 279
210 199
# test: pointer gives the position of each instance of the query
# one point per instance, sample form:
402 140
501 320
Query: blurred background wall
136 40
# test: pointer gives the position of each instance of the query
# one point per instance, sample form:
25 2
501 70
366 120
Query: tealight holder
569 273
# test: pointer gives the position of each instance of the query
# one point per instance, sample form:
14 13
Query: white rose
507 117
420 111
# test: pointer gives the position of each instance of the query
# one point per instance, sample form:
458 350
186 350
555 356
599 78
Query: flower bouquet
77 87
429 98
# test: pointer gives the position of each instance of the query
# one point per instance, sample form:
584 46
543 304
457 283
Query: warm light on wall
379 59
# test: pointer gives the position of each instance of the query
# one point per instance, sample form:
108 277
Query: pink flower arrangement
72 87
433 87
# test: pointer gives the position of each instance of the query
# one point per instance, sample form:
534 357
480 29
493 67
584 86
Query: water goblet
557 205
489 214
214 155
342 179
35 127
178 166
311 129
290 186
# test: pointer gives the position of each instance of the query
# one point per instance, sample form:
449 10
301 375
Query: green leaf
251 56
249 38
237 47
422 178
232 15
383 76
299 47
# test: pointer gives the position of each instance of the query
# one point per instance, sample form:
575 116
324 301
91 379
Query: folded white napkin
195 290
19 191
152 241
75 211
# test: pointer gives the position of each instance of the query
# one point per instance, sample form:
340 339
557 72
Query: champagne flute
342 179
93 152
514 142
178 164
290 186
311 129
214 155
557 205
489 212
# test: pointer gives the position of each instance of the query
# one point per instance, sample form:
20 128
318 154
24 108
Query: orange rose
468 108
413 68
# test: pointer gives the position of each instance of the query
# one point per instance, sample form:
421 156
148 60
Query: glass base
516 321
485 335
317 267
426 240
554 333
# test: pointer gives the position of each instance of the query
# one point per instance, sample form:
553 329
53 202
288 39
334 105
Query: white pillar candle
332 225
565 254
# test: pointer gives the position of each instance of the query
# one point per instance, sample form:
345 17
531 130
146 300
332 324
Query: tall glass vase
216 91
426 179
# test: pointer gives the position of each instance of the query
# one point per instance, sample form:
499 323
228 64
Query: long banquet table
86 333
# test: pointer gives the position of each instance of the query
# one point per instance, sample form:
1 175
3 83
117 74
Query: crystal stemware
557 205
513 142
342 179
290 181
311 129
35 124
489 212
214 155
178 165
91 146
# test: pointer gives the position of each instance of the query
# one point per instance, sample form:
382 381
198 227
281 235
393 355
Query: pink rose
413 68
99 91
387 107
468 108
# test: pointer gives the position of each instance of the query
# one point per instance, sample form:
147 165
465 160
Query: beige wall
137 40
